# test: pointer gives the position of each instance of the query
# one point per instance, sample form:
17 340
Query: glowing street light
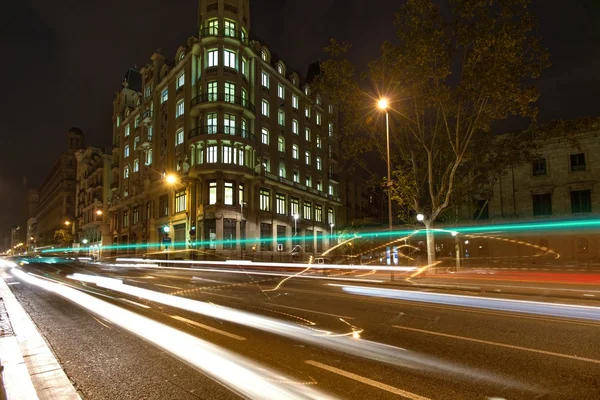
166 229
171 179
84 241
331 225
383 105
67 223
421 218
99 212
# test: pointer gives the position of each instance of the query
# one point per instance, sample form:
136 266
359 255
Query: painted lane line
101 323
367 381
508 346
311 311
196 278
134 303
168 286
207 327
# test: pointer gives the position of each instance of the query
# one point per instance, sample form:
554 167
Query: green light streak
297 240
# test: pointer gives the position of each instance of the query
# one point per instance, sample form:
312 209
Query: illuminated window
179 137
331 190
307 210
241 156
125 218
150 130
229 124
136 141
127 130
211 154
212 192
296 176
295 152
148 159
229 28
319 164
136 215
330 216
318 213
330 129
229 59
307 134
280 91
294 101
306 90
227 154
294 206
126 172
179 110
265 79
180 201
164 96
228 193
280 203
244 66
118 121
211 90
213 58
126 151
330 109
281 117
280 69
136 122
281 144
213 27
319 186
230 92
307 157
136 165
318 100
295 127
263 54
318 116
265 108
307 112
241 193
265 136
265 200
181 80
319 143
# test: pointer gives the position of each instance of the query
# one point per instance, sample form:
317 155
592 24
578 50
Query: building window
542 204
126 172
125 218
280 69
266 164
280 91
307 210
164 96
181 80
228 193
163 205
318 118
265 200
265 79
294 206
282 169
281 117
180 201
296 177
179 137
331 109
136 165
581 201
229 59
244 67
230 92
265 108
307 157
319 142
136 215
126 151
263 55
318 213
213 27
244 131
330 216
211 90
266 237
319 186
179 110
264 136
280 203
213 58
241 193
227 154
307 134
229 233
280 144
295 127
136 122
229 28
150 131
241 156
127 130
294 101
295 152
307 112
211 154
211 123
118 121
148 157
136 141
319 164
230 124
330 152
308 181
539 167
330 129
578 162
212 192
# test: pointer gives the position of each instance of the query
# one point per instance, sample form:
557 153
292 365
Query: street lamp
420 217
67 223
456 248
84 241
166 229
99 212
171 179
383 105
332 225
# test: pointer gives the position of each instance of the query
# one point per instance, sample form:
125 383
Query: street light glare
99 212
383 103
296 216
420 217
171 179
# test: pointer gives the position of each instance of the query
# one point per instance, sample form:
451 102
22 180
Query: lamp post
85 241
456 248
383 105
331 236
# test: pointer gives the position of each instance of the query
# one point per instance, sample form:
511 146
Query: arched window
264 55
182 56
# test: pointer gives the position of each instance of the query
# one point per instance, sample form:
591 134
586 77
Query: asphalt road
315 333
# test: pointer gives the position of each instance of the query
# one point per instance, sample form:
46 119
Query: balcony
334 177
224 32
221 130
145 117
114 185
223 97
114 165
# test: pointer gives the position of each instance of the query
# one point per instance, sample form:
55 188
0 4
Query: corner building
254 151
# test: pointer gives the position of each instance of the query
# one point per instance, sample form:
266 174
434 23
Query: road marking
101 323
312 311
168 286
135 303
367 381
208 328
509 346
13 283
589 295
195 278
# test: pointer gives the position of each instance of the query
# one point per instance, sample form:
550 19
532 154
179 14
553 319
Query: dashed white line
135 303
367 381
208 328
311 311
509 346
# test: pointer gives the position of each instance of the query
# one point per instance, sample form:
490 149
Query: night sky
63 61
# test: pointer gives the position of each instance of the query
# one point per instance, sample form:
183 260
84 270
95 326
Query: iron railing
221 130
225 97
224 32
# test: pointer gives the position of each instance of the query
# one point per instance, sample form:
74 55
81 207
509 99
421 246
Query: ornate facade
251 151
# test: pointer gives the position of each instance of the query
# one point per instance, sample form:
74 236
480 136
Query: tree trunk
430 242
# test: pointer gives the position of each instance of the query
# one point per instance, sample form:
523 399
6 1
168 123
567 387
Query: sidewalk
29 368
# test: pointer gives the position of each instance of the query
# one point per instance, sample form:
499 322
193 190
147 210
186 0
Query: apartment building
224 147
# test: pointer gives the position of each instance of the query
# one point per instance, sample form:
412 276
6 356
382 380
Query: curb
31 370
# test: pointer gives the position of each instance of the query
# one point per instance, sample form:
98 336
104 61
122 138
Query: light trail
519 306
245 377
347 344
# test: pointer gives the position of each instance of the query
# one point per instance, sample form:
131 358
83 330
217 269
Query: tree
63 237
450 76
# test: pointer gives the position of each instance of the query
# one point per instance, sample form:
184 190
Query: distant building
254 152
16 240
33 199
56 207
92 190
